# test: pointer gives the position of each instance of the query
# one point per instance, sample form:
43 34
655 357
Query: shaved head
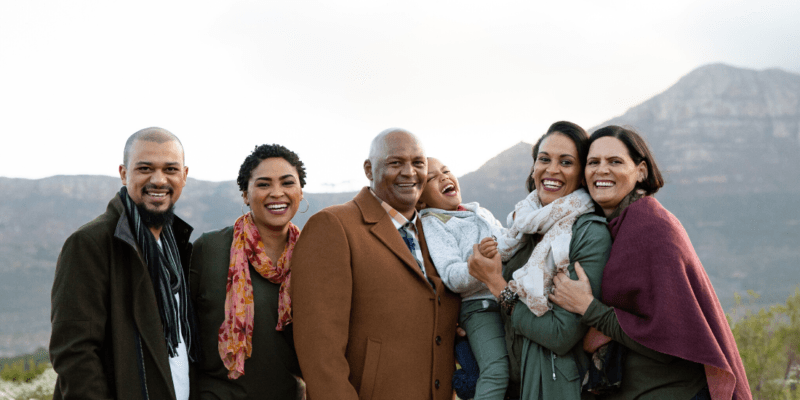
377 149
154 134
396 169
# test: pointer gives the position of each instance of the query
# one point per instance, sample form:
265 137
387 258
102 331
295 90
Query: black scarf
164 266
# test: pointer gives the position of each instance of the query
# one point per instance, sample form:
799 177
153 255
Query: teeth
604 184
448 187
551 184
157 194
405 184
277 206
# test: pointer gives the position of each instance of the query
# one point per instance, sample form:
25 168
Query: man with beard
123 326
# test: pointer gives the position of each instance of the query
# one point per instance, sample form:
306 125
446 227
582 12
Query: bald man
372 319
123 325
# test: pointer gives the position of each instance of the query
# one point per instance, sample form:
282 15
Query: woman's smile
551 185
276 186
611 172
278 208
556 170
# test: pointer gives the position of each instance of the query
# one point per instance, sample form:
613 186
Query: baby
451 229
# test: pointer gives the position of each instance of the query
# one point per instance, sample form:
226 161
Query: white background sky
322 78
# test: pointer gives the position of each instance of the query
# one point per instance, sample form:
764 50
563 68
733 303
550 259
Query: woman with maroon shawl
657 300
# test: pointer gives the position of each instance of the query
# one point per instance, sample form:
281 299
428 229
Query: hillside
36 216
726 138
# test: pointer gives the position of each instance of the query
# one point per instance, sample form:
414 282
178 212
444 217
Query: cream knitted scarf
534 280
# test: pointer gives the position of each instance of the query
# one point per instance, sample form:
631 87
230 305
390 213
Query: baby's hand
488 247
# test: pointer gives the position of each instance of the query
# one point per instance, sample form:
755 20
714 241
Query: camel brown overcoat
367 324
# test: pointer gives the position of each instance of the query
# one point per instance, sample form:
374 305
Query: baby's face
441 190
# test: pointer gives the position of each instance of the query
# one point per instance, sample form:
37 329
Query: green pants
481 320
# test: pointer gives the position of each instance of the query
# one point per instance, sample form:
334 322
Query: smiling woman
657 300
552 229
616 165
273 194
239 280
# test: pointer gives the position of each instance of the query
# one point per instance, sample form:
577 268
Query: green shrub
17 371
769 341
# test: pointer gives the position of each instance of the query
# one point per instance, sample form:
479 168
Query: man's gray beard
152 219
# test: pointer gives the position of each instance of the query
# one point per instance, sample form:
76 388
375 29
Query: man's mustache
151 186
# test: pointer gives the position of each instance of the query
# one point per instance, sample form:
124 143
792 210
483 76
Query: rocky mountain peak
723 91
724 124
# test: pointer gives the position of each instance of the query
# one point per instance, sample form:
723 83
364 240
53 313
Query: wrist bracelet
508 298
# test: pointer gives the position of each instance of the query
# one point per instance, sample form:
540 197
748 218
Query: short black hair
263 152
638 151
152 134
571 130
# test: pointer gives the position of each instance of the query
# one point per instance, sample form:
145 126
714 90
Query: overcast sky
322 78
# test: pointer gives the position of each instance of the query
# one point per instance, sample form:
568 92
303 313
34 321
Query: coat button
438 340
436 383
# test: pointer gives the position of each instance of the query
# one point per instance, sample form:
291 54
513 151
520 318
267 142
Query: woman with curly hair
240 286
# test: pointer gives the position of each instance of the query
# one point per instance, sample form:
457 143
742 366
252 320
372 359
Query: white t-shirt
179 365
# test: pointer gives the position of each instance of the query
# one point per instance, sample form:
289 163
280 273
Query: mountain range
725 138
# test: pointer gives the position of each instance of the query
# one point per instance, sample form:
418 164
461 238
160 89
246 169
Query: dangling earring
243 204
308 205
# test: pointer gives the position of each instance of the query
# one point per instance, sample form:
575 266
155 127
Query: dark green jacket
107 340
545 351
269 373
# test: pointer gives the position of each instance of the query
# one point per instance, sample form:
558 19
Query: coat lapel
145 312
383 229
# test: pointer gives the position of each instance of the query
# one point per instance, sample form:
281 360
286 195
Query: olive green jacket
545 352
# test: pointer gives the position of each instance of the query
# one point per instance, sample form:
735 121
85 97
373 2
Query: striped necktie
409 240
417 253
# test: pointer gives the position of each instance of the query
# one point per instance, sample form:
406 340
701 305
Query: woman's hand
573 296
487 270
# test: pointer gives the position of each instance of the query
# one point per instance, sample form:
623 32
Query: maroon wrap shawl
664 300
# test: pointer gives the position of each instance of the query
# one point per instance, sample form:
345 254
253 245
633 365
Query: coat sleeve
560 330
605 320
321 285
449 256
79 315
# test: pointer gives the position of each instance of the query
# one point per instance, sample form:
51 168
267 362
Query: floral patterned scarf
236 331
